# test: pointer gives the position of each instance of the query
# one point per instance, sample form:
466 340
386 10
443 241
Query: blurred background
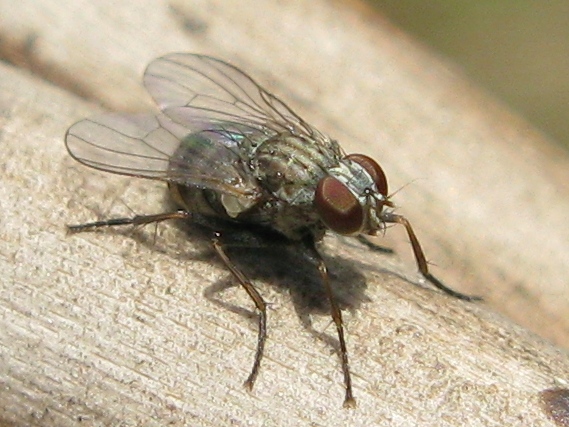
519 50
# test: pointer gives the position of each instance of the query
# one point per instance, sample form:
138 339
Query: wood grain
143 328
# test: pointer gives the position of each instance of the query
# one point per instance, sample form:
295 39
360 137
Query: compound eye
338 208
373 169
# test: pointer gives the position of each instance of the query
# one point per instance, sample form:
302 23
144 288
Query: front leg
389 217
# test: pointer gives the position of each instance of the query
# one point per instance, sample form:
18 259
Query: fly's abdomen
220 181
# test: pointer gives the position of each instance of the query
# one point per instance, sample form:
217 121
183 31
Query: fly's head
351 197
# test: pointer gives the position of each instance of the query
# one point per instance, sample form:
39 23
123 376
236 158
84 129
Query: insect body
233 154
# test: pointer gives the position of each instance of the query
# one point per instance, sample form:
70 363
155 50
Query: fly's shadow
269 259
282 265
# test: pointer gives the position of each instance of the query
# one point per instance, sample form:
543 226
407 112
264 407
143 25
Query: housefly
234 154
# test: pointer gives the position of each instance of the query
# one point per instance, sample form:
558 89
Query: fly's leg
259 304
135 220
420 257
313 254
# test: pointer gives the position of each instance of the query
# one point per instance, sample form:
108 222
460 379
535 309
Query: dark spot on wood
555 403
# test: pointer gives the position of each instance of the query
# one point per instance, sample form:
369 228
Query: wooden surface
138 328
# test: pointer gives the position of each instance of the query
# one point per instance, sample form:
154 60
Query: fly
236 156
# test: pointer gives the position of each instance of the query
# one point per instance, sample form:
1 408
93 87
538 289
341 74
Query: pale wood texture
124 329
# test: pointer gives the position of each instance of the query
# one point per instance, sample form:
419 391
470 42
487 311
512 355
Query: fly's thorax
290 166
351 197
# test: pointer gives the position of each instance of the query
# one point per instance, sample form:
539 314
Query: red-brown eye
373 169
338 208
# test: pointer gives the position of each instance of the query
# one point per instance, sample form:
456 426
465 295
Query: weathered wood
126 328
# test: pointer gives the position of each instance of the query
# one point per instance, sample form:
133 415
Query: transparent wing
213 117
201 89
157 148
